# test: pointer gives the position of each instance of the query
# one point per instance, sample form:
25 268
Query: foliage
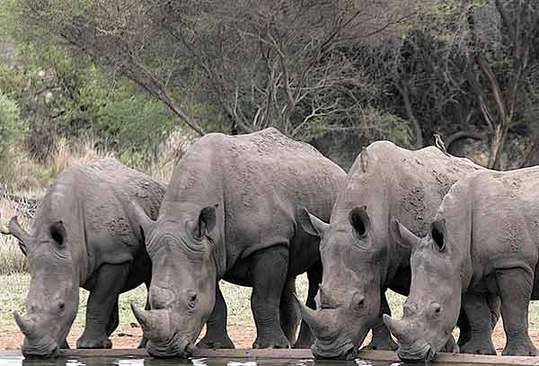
11 125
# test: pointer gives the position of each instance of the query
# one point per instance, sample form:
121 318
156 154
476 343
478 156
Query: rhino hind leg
102 303
314 275
475 324
515 286
268 271
216 334
381 337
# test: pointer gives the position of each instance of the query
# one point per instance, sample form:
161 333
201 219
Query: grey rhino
359 256
230 213
82 236
483 240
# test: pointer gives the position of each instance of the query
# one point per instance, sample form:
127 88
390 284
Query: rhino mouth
47 348
416 352
176 346
339 348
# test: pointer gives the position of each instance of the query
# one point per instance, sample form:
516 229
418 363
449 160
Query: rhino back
261 178
93 200
393 182
501 210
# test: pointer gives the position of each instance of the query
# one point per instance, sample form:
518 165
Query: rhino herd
260 209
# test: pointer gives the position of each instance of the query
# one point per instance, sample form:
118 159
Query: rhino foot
478 346
216 343
94 343
279 341
519 347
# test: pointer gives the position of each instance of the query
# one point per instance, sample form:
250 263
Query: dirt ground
242 336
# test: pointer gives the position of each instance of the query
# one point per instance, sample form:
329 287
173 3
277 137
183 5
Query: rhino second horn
25 325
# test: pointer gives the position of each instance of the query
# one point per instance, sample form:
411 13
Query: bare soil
242 335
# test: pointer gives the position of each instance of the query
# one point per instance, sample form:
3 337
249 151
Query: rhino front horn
141 316
154 323
311 318
25 325
395 327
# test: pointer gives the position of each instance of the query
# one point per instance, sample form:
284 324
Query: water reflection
15 360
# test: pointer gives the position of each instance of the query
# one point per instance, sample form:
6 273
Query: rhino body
483 240
82 236
359 256
230 212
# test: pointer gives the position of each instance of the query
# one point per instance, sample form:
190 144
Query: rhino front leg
216 334
381 337
289 312
314 275
478 314
144 340
515 288
268 271
102 303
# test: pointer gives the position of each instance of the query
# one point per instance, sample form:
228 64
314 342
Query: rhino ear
58 233
142 220
359 219
207 219
18 232
439 234
309 223
401 235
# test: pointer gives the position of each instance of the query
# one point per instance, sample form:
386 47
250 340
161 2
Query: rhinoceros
82 236
359 256
484 239
230 213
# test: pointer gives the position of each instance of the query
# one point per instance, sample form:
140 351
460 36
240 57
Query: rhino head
184 279
53 297
349 297
431 311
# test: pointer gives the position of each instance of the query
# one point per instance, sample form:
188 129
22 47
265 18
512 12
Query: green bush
11 125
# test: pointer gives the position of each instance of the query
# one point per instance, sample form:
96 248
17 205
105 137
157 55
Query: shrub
11 125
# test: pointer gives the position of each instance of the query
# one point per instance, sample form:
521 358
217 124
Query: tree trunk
496 146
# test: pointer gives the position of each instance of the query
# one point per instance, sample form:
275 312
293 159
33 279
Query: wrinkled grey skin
483 240
230 212
82 236
359 256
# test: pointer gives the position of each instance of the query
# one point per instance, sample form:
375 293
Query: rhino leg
515 288
305 337
102 302
381 337
289 312
144 340
216 334
268 271
478 329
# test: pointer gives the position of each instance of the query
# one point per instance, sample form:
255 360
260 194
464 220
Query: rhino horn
154 323
141 315
311 317
25 325
396 327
